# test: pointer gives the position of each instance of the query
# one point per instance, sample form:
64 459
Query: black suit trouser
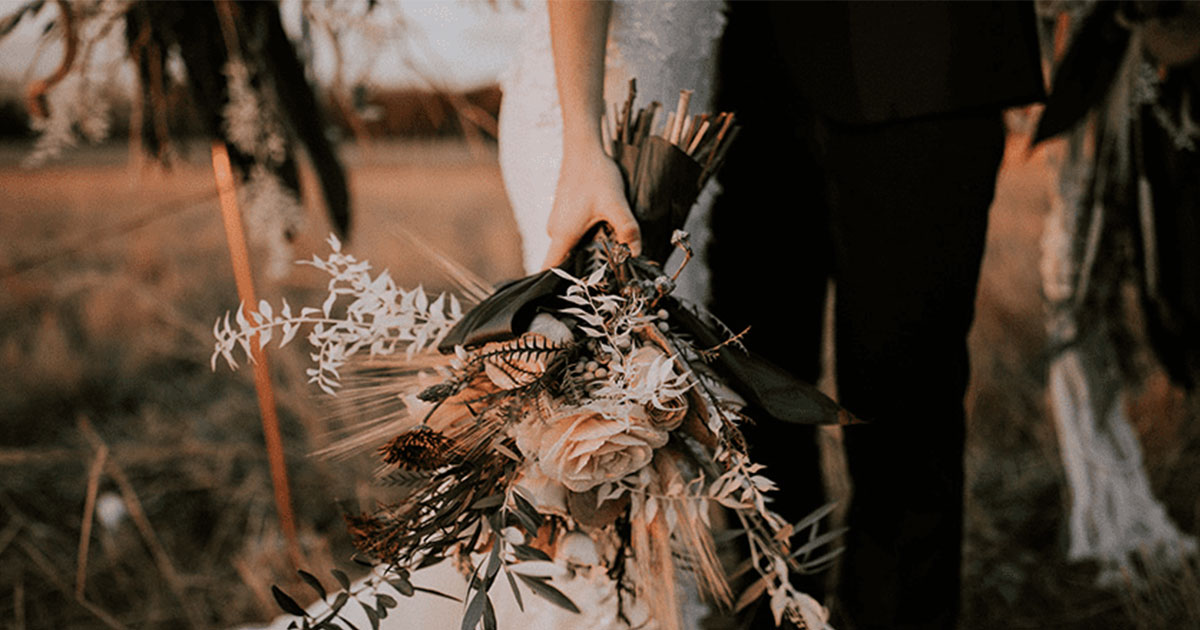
895 214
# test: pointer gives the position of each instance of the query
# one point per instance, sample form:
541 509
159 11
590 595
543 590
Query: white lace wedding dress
667 46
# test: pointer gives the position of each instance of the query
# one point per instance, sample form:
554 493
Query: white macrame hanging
1114 516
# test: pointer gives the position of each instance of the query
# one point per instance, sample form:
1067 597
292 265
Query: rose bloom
584 448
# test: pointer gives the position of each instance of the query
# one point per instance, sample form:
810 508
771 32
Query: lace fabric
666 46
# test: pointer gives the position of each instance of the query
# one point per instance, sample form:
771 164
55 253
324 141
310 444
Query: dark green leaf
549 593
347 622
489 615
342 578
526 553
530 519
340 601
372 616
816 542
293 625
286 602
386 600
515 591
814 517
430 560
493 565
433 592
474 611
313 582
381 610
490 501
402 586
362 562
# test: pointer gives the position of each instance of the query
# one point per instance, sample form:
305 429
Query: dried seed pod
419 449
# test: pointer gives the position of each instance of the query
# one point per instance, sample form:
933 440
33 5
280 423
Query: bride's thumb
559 248
625 229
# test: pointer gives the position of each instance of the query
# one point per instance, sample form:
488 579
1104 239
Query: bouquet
577 422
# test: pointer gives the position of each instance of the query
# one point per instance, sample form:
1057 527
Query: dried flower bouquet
580 421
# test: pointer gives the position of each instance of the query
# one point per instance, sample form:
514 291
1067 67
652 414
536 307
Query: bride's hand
590 191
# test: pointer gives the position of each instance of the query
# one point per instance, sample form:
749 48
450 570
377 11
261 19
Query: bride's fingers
625 227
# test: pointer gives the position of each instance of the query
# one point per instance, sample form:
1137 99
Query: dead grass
115 330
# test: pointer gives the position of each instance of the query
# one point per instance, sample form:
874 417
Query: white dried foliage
271 211
612 322
249 120
379 318
79 105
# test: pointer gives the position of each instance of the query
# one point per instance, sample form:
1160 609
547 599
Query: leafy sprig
380 318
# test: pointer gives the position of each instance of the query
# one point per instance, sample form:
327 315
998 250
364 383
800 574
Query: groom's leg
770 255
770 250
909 208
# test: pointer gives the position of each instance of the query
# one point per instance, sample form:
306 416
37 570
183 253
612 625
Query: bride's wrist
583 151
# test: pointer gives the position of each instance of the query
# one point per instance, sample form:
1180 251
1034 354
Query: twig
52 575
129 455
91 239
9 532
37 91
89 511
19 603
685 97
711 353
691 150
142 522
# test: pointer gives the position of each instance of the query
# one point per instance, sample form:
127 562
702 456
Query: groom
871 139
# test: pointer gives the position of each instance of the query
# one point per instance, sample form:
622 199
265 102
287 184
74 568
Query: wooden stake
235 236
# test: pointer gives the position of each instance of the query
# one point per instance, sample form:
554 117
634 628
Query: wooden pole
235 236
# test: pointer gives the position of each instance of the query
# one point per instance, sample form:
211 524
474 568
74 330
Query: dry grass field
110 280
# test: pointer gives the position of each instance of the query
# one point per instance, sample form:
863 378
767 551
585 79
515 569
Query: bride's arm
590 189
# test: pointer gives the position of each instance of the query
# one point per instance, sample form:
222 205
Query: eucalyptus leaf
474 611
402 586
286 602
490 501
312 581
372 616
342 578
431 591
512 583
526 553
548 592
489 615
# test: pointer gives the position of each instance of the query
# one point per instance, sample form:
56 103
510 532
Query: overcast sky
455 43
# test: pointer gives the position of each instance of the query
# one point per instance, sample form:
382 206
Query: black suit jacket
864 62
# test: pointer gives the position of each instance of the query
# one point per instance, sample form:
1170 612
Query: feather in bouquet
581 420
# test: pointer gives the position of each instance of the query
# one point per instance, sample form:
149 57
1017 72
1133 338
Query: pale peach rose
584 449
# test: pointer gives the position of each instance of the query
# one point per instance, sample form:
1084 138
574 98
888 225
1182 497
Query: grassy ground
109 282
